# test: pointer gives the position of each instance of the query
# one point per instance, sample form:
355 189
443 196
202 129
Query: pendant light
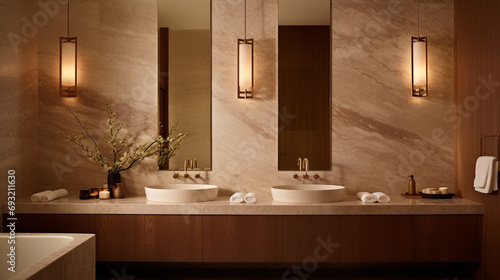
67 65
419 62
245 64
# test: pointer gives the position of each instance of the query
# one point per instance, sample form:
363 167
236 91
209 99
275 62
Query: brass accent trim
483 144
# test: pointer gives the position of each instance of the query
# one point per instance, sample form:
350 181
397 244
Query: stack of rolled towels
373 197
47 196
239 197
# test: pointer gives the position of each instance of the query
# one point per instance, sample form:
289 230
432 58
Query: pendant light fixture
67 65
245 64
419 62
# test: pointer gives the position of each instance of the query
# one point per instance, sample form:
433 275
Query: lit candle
104 195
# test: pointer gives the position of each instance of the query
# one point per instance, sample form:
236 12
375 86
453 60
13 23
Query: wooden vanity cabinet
55 223
316 237
418 238
376 238
118 237
450 238
242 238
270 239
173 238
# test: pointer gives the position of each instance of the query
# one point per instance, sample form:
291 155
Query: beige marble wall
117 52
379 133
18 96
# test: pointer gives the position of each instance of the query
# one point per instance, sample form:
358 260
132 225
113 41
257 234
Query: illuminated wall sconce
67 65
245 68
419 66
419 62
245 64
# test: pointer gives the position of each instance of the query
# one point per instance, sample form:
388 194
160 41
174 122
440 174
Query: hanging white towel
491 178
382 197
38 196
484 166
237 197
367 197
54 195
250 198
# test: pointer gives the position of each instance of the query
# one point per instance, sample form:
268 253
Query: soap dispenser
412 186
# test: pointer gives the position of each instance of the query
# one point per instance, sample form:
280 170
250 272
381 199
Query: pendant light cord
68 19
245 20
418 19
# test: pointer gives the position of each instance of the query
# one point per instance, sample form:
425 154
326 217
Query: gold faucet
194 164
306 167
187 163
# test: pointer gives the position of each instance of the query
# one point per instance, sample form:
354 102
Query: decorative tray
436 196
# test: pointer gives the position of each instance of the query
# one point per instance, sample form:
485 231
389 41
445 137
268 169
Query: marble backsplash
18 97
380 134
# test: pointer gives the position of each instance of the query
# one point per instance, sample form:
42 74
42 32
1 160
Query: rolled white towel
250 197
367 197
54 195
237 197
382 197
38 196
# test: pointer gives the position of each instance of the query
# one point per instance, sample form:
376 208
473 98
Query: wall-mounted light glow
245 64
419 66
245 68
419 62
67 65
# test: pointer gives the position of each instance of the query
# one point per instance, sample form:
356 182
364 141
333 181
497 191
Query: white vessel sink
181 192
308 193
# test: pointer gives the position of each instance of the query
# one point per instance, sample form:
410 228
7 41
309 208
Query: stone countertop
265 206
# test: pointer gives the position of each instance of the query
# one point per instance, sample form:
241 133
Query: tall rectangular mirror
184 72
304 86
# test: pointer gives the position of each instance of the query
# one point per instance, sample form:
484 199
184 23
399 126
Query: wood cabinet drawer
311 237
449 238
376 238
242 238
118 237
173 238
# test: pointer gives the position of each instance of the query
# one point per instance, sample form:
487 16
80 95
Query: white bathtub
48 256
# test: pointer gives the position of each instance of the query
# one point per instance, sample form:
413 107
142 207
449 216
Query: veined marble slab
265 206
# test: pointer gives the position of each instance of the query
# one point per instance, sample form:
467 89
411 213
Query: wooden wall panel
242 238
311 236
173 238
376 238
477 97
